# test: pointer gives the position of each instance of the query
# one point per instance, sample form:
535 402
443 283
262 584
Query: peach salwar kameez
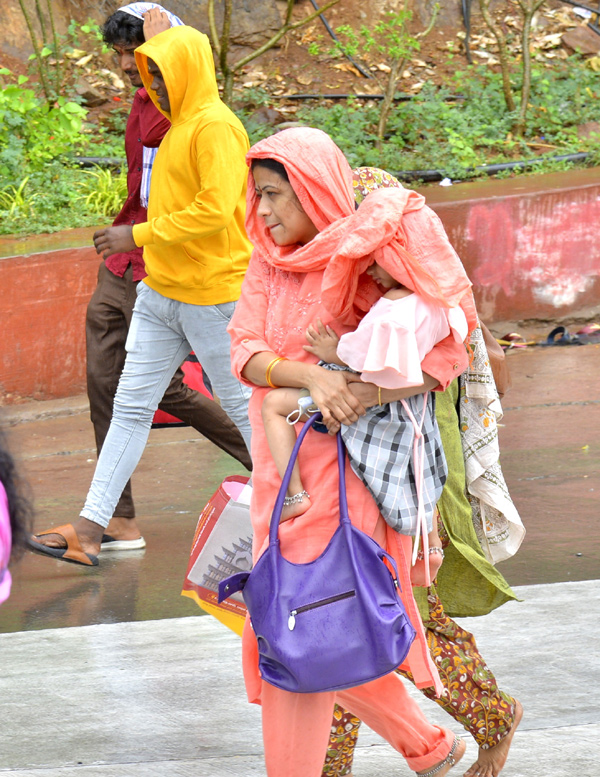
273 313
276 307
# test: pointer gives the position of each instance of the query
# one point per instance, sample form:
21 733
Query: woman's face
281 209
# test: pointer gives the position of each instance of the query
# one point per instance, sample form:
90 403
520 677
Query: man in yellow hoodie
196 253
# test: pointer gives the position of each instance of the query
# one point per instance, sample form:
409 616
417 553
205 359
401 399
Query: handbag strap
285 481
344 518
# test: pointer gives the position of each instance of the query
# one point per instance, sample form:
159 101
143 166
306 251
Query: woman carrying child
311 255
394 448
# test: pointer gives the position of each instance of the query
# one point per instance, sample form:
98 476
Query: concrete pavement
166 699
110 673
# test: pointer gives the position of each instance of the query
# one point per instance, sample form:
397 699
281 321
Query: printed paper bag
221 547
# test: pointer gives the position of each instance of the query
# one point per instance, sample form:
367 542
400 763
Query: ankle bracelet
433 550
293 500
449 759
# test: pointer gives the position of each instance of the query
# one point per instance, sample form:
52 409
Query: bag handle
285 481
344 518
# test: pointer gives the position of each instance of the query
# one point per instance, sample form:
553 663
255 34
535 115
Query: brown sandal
73 553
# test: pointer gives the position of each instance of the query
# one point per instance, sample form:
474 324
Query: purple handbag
333 623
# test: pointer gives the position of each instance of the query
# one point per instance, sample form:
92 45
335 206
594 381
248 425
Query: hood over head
318 171
184 57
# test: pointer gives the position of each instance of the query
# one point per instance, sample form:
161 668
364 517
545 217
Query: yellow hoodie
195 245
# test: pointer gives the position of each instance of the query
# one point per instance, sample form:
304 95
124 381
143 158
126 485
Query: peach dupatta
349 240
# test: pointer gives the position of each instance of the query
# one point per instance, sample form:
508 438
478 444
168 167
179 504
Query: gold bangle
379 395
270 367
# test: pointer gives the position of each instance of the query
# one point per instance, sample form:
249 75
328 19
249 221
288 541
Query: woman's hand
370 395
332 395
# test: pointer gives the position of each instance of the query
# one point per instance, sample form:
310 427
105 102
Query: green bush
32 133
103 193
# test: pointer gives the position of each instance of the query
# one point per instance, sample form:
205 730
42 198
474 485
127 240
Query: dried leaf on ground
346 67
84 60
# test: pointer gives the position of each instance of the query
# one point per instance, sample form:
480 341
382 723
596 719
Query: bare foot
417 573
459 750
490 762
123 529
88 533
297 508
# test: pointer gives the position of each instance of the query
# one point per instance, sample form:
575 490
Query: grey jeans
162 333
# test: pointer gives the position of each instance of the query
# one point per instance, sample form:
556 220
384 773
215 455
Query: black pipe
100 161
398 97
430 176
577 4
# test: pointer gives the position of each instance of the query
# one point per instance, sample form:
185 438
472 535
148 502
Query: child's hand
322 342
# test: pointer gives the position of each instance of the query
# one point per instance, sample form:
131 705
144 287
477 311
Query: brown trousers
107 324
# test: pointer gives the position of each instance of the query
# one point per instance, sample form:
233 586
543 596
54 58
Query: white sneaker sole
120 545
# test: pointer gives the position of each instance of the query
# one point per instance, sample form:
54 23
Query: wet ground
550 454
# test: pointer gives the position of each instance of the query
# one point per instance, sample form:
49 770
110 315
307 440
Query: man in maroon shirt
110 309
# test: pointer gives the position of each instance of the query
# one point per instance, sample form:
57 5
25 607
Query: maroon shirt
146 126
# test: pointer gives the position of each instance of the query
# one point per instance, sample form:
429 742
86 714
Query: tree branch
280 33
212 26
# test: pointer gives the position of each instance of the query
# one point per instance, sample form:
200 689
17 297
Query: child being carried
395 448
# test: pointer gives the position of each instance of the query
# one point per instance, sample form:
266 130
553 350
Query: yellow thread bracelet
379 395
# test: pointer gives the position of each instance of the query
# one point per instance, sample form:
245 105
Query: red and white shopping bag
221 547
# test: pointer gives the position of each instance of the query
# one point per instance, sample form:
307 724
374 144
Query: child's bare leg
434 559
281 437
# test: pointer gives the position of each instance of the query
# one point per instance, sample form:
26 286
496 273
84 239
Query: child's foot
456 753
435 559
296 505
490 762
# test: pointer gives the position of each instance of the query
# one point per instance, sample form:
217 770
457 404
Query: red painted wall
43 298
530 246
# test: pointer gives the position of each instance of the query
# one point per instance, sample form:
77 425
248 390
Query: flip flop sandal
561 336
73 553
514 340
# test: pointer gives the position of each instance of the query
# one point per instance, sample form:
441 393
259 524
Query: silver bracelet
432 550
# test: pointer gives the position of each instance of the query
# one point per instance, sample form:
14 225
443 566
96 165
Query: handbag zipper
314 605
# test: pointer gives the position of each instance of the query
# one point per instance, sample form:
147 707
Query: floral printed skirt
471 694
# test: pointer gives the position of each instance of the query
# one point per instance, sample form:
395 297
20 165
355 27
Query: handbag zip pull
314 605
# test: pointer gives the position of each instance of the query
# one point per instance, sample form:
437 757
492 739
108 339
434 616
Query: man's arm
153 125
